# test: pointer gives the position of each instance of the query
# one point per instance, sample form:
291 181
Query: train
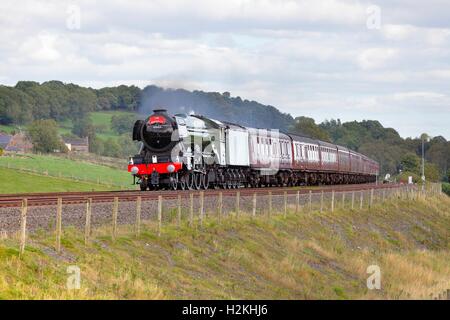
190 151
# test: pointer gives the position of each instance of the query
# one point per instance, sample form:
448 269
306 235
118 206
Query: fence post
201 208
115 211
58 225
23 226
285 204
297 201
353 200
238 195
191 210
87 226
343 200
159 215
138 215
179 211
321 202
332 201
310 200
371 198
270 204
220 205
361 200
254 205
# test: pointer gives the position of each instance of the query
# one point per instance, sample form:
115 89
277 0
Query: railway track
44 199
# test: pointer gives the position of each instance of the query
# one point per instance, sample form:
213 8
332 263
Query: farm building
4 140
77 145
15 143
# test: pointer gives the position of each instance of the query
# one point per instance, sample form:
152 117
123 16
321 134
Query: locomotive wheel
205 180
143 185
173 184
233 178
190 178
183 181
216 184
228 183
197 180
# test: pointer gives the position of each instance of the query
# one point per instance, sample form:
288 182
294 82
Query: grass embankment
60 167
305 256
12 181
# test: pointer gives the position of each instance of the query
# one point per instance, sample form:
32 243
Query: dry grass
304 256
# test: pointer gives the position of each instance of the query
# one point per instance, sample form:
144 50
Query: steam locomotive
195 152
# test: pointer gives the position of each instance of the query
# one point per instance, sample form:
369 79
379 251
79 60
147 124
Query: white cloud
305 57
40 48
399 32
374 58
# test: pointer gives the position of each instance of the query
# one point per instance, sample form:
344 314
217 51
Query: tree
308 127
410 162
432 172
112 148
44 136
84 128
97 146
128 147
123 123
439 154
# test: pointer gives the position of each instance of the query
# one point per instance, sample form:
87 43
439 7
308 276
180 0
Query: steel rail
45 199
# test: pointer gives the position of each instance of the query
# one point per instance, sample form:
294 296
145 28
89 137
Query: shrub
403 177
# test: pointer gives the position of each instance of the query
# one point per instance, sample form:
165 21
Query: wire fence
189 209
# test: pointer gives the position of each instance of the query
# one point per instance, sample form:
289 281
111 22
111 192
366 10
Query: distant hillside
29 100
70 105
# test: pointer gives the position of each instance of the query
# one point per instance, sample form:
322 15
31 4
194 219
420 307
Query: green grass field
12 181
61 167
104 119
7 129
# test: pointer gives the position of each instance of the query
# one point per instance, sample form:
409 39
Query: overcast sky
385 60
